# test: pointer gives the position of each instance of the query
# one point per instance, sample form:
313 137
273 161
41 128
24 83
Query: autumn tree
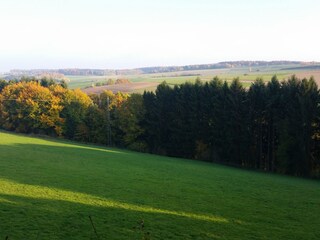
75 105
128 118
28 107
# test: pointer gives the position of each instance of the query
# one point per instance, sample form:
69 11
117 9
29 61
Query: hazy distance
129 34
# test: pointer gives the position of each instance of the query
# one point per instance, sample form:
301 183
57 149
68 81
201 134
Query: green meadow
49 188
84 81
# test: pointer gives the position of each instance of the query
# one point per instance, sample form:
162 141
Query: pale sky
137 33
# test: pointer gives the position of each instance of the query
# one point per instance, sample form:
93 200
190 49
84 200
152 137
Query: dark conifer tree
257 101
237 130
273 109
151 120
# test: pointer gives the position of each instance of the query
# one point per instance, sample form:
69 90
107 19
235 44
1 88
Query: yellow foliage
28 105
78 96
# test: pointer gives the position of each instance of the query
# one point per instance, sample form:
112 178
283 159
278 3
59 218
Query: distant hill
220 65
160 69
308 67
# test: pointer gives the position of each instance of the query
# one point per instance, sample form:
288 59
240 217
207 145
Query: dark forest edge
273 127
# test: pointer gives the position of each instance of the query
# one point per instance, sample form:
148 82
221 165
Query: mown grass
49 188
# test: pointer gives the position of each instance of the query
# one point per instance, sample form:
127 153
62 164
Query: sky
128 34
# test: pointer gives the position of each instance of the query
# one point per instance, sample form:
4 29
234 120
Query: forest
272 127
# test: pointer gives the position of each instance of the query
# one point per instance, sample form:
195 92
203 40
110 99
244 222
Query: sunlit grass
39 192
48 188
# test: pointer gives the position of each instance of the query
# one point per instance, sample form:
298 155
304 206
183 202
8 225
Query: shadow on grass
48 192
29 218
86 169
37 218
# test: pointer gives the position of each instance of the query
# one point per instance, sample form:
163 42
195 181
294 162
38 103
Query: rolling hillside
49 188
149 77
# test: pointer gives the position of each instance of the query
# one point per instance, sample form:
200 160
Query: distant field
125 88
315 74
245 74
49 188
149 82
83 81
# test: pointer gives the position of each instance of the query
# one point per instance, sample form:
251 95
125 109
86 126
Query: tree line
272 126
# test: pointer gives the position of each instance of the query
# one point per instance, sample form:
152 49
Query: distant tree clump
122 81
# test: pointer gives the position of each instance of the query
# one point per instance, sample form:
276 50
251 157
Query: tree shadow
96 171
119 195
33 218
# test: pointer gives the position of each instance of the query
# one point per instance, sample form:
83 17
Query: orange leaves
30 107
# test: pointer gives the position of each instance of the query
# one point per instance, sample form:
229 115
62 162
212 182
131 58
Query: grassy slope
49 188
